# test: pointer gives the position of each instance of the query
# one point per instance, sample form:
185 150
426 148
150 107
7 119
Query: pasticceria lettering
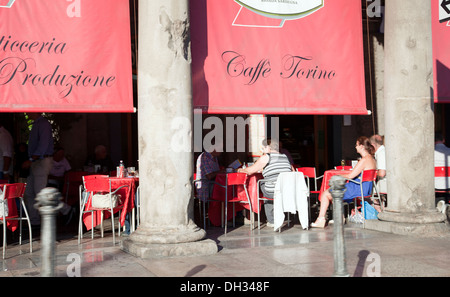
7 44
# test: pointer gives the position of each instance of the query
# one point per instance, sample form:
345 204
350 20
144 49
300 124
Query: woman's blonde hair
272 143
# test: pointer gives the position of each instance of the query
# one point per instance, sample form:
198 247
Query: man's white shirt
380 156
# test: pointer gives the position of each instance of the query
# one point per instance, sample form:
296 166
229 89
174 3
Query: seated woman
271 163
367 162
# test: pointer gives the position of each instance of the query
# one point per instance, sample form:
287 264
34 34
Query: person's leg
37 181
268 209
325 199
29 196
127 225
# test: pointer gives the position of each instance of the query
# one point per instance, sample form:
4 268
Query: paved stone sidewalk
292 253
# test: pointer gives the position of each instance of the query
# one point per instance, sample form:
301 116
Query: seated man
59 169
380 157
207 168
101 159
56 180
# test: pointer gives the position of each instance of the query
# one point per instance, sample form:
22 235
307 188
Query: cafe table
127 197
218 195
327 176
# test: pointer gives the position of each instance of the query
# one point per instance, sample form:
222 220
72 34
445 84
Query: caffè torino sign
282 9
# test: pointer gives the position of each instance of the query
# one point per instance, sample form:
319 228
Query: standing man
6 154
380 155
40 162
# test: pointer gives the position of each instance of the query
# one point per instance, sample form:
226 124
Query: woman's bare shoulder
369 162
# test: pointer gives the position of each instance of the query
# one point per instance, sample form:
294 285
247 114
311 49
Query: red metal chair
82 191
262 199
202 204
442 171
310 174
238 179
366 176
96 185
72 182
13 192
381 196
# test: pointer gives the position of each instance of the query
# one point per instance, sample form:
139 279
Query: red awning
283 57
441 45
65 56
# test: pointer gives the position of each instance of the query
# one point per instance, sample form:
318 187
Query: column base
425 224
158 242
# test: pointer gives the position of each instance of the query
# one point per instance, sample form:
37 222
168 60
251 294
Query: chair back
12 191
72 182
95 176
308 171
369 175
441 171
74 176
238 178
97 184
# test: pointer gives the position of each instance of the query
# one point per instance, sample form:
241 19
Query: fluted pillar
409 120
165 123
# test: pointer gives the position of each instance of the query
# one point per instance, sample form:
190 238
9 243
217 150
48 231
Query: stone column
165 124
378 64
409 120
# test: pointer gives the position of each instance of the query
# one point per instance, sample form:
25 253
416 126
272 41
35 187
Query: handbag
370 213
356 218
4 204
102 200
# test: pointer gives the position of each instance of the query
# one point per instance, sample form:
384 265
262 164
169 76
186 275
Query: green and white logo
9 4
282 9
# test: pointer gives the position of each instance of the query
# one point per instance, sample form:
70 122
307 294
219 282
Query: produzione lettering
25 71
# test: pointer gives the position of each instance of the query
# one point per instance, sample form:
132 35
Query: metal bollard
49 203
337 184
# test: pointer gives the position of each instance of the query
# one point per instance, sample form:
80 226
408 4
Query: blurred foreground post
48 203
337 184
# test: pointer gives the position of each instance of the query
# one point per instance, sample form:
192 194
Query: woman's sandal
319 223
